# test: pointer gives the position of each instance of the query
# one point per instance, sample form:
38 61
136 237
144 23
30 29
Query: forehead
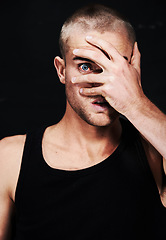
118 39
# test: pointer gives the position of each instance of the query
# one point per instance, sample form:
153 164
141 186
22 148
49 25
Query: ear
59 64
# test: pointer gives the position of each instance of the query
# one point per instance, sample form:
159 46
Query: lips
101 102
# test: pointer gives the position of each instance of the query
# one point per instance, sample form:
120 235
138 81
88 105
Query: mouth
101 102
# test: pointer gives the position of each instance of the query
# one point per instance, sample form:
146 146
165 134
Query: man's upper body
101 73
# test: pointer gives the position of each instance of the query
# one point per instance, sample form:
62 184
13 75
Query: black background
30 92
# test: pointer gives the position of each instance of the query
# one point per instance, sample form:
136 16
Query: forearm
150 122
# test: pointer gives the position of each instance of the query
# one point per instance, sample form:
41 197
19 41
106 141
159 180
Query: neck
78 133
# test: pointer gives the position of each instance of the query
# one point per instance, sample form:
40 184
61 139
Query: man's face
94 110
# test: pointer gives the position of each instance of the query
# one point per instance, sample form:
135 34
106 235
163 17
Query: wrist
138 108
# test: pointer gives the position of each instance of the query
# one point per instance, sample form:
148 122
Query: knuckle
104 91
92 90
95 55
116 68
124 62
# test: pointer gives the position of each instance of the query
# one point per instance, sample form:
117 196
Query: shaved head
95 17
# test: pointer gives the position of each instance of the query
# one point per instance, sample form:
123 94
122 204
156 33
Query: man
92 175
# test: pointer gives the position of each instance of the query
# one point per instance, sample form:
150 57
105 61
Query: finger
105 47
136 58
95 56
91 91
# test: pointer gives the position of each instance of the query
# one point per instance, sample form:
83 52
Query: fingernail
73 79
88 37
75 51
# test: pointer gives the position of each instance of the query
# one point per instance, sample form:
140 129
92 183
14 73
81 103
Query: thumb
136 58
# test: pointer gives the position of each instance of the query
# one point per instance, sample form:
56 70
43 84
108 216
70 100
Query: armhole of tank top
23 168
144 162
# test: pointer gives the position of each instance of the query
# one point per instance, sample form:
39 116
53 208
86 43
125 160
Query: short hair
98 17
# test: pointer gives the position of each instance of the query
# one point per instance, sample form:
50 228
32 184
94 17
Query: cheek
68 77
71 71
71 89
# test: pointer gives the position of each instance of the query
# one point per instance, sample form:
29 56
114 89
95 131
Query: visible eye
89 67
85 67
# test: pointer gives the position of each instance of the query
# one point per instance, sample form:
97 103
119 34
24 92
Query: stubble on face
82 105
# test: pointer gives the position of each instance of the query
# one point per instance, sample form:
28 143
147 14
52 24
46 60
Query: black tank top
115 199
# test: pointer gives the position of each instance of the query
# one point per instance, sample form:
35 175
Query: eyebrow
83 59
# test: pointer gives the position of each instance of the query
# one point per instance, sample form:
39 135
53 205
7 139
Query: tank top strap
32 142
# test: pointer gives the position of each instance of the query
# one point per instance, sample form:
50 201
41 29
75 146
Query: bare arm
10 160
6 213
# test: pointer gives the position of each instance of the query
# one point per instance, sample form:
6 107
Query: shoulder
12 142
11 150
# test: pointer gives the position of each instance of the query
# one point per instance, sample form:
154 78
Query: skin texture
11 149
96 73
119 80
78 102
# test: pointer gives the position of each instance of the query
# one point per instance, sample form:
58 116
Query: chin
102 121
